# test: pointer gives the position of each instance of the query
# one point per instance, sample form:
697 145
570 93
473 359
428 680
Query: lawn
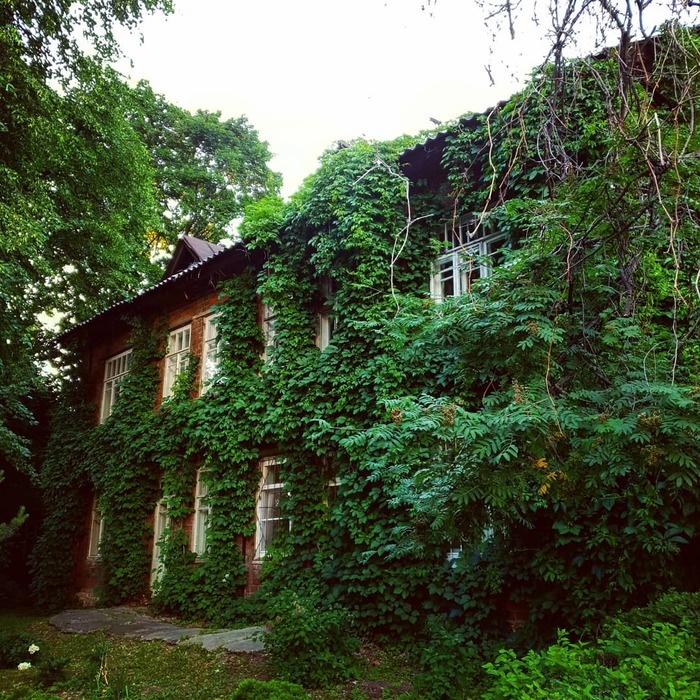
97 666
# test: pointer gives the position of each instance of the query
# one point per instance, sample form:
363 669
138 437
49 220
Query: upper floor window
469 253
210 351
268 515
202 511
116 368
177 358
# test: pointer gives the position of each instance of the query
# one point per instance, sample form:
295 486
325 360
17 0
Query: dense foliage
544 425
650 658
310 644
546 422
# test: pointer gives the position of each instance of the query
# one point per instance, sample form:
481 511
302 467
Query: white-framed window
210 351
454 553
177 357
160 523
116 369
268 329
97 527
268 512
469 253
202 511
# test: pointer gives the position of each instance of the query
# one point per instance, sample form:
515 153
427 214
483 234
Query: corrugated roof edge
466 120
145 292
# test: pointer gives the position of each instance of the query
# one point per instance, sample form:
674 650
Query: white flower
33 649
24 666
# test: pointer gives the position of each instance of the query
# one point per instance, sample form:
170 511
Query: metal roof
424 160
194 270
189 250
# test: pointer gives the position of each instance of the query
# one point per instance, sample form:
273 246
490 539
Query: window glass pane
210 351
177 358
160 523
268 328
96 529
446 276
269 518
116 369
202 510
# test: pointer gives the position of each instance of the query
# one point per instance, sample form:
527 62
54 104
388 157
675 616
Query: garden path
129 622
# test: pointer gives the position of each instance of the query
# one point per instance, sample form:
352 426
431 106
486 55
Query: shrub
679 609
310 644
28 694
450 665
51 671
250 689
640 663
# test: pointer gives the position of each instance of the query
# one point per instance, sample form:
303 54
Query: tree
75 192
48 31
206 169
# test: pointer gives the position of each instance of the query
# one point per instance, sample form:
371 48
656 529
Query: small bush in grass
451 665
28 694
14 648
52 671
310 644
268 690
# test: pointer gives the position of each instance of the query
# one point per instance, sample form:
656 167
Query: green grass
135 669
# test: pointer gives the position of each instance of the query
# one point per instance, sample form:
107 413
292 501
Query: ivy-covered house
452 380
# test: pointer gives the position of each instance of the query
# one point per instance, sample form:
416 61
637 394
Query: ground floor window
202 511
160 523
268 516
97 526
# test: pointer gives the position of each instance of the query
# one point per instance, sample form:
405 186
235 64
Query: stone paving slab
127 622
246 639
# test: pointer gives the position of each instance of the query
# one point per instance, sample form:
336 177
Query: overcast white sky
309 72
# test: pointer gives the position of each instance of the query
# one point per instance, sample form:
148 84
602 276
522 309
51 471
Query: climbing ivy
220 437
64 483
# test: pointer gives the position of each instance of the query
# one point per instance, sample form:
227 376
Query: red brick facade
176 304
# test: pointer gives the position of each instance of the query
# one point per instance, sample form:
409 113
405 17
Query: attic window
469 253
